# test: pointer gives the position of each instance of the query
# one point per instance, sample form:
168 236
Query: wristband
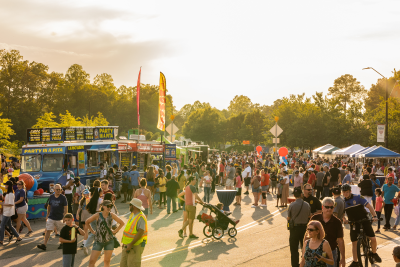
375 216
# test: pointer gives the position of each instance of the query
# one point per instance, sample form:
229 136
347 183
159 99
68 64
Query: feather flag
161 103
138 96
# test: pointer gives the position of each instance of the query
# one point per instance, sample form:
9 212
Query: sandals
28 234
18 240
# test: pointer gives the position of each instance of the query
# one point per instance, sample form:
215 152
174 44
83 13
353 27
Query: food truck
50 152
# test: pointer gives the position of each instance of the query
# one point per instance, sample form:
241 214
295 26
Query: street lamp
386 114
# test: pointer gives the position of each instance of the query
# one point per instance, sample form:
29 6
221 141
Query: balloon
41 191
259 148
36 192
35 186
28 180
283 151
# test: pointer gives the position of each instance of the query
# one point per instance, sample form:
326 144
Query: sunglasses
308 189
328 207
58 189
19 184
311 230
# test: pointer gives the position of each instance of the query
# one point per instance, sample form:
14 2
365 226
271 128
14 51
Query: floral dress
311 260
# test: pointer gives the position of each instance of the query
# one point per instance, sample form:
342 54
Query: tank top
102 233
144 199
311 260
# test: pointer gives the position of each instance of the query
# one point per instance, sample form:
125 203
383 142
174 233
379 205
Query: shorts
238 191
50 224
273 184
229 182
134 187
367 227
264 188
23 209
125 188
191 211
247 181
106 246
146 211
116 186
221 174
150 183
254 190
279 196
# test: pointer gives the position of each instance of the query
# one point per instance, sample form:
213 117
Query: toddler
280 188
378 207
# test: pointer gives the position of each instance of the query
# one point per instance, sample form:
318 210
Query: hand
77 216
318 257
345 221
128 247
115 232
93 232
73 241
343 262
374 219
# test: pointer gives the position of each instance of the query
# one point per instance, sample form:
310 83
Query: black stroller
215 226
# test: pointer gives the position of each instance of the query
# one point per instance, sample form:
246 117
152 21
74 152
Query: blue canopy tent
354 155
379 152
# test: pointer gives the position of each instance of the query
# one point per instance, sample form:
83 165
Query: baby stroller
215 226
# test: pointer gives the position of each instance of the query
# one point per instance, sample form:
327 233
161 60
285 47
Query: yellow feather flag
161 103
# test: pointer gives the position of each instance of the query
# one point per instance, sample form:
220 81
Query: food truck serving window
92 158
31 163
52 162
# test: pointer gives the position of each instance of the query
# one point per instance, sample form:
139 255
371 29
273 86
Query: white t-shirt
286 178
246 171
69 190
9 211
103 173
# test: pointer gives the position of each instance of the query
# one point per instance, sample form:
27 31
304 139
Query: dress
311 260
285 189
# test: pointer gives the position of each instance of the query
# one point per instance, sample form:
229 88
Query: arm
119 221
139 235
198 198
91 219
62 240
180 196
65 211
326 248
340 242
371 209
303 261
19 201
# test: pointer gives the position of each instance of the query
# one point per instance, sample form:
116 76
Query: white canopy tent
348 150
325 147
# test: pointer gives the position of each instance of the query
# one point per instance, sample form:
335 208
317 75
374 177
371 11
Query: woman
256 190
162 181
315 246
150 179
174 169
239 181
285 189
92 207
82 213
104 236
22 207
110 177
144 195
8 211
207 180
182 183
264 186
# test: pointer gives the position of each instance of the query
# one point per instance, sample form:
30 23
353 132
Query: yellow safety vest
130 230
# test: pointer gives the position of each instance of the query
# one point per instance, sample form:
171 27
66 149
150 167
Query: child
75 206
274 180
396 203
280 188
68 237
207 180
378 208
238 188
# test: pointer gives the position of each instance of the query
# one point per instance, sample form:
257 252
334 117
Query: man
126 180
338 211
326 182
335 176
230 177
134 174
221 171
366 188
347 177
168 174
299 211
134 238
190 206
311 179
314 202
319 183
333 230
56 210
117 181
172 194
351 201
103 172
389 191
68 187
247 177
78 187
396 255
105 188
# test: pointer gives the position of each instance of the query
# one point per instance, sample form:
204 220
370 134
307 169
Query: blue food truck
51 152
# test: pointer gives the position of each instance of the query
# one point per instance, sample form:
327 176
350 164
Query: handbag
116 242
290 224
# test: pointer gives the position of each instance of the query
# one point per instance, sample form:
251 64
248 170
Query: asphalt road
262 240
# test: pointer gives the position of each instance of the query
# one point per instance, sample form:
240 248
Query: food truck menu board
71 134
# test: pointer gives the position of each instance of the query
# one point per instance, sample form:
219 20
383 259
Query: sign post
276 131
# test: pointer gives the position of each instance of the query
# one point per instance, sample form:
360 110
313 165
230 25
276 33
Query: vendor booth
348 150
316 151
327 153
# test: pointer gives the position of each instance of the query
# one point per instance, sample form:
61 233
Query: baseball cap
336 191
297 190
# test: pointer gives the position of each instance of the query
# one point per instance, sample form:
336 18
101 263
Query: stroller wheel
232 232
208 231
218 232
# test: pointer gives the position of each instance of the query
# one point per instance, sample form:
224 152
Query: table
226 197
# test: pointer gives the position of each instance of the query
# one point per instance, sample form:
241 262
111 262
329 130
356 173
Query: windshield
31 163
53 163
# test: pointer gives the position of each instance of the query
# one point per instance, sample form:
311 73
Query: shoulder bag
116 242
290 224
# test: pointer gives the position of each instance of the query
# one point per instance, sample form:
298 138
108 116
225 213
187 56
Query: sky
211 50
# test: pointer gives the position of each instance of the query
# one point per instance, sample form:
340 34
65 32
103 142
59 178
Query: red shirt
266 180
221 167
311 179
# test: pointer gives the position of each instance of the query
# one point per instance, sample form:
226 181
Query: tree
346 88
240 104
5 133
255 126
46 121
68 120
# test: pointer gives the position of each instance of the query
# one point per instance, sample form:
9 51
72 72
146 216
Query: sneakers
385 228
254 206
180 233
123 201
28 234
184 235
86 251
263 205
193 236
42 246
246 193
376 257
354 264
82 245
377 232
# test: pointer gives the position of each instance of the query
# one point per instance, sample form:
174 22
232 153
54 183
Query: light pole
387 107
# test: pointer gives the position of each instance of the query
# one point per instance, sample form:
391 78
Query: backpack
256 183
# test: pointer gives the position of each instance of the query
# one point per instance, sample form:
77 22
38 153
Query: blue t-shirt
134 178
355 200
389 192
346 179
125 178
374 187
57 205
18 194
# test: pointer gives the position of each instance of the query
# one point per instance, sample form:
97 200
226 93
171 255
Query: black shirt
314 202
334 174
168 176
69 248
172 187
366 188
333 229
327 174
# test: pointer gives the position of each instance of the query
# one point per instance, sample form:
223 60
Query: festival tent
316 151
357 155
328 150
379 152
348 150
359 151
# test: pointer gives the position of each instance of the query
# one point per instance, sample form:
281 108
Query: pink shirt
238 182
378 205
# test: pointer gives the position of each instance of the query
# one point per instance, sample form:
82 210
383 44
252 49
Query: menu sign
89 133
70 134
80 134
34 135
46 135
56 134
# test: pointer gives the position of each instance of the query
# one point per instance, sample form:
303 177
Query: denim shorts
107 246
150 183
264 188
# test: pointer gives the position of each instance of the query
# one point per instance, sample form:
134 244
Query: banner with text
380 133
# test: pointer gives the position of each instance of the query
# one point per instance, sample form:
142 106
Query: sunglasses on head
329 207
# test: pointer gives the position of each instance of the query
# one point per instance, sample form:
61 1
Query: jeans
326 191
68 260
397 220
378 215
90 238
7 222
162 198
169 199
334 254
69 200
206 197
116 187
388 214
296 237
319 191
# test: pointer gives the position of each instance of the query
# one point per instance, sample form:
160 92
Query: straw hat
137 203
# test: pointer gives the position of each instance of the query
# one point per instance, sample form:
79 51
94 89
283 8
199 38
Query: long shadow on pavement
173 259
259 213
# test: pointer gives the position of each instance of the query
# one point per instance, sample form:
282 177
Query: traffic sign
276 129
170 128
275 140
